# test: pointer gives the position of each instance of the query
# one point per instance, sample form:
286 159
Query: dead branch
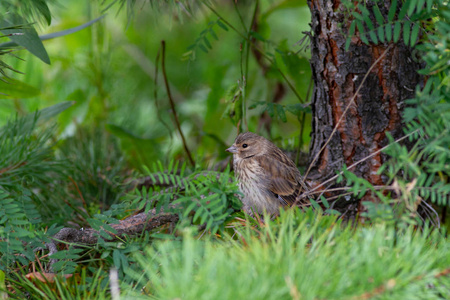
130 226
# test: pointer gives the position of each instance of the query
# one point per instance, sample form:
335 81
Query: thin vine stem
172 103
352 166
291 86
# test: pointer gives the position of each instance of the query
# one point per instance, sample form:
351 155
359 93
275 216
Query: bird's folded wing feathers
284 179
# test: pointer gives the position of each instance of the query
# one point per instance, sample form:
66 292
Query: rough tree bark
337 75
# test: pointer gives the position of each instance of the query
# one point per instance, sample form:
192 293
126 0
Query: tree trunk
337 75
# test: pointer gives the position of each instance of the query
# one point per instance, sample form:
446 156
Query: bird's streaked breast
253 184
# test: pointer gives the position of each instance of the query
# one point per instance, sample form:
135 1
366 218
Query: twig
155 95
300 137
225 21
247 54
291 86
240 16
252 25
352 100
243 88
79 192
353 165
172 104
302 123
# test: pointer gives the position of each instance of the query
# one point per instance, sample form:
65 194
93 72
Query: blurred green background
108 69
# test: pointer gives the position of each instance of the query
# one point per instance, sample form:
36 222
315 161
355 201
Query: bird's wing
284 180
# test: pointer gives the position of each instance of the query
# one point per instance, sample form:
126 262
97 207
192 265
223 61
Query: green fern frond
206 197
202 42
404 19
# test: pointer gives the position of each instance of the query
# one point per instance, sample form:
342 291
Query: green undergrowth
300 255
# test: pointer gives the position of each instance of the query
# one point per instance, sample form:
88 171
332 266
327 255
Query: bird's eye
244 146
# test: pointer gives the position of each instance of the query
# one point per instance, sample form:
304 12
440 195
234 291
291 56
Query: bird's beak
232 149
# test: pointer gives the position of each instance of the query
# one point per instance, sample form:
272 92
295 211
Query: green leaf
203 48
198 213
17 89
270 110
357 16
52 111
207 43
108 228
406 32
25 37
280 113
411 7
403 10
325 201
397 31
362 35
368 22
380 31
255 105
364 10
414 34
429 5
66 254
351 32
373 36
420 5
388 32
298 108
378 15
221 25
257 36
41 5
189 208
315 205
213 34
117 258
392 10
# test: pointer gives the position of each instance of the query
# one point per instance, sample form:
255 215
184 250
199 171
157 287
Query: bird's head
248 145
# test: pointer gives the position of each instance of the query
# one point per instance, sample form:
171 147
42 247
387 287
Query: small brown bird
267 177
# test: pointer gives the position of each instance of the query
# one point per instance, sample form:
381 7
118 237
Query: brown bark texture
337 75
131 226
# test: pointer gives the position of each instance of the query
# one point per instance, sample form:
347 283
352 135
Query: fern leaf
411 7
378 16
397 31
364 10
414 34
392 11
380 31
373 36
406 32
404 9
388 30
362 35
